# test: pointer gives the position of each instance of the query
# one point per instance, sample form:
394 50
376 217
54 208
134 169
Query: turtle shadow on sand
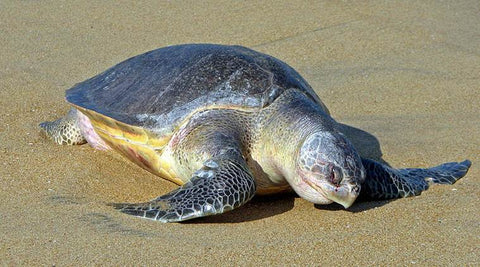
359 206
260 207
365 143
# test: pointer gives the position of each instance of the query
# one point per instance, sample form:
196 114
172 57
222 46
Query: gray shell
158 89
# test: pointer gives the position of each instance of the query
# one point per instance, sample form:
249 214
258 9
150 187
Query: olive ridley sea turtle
226 123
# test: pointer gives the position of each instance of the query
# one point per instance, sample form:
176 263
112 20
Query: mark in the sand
286 38
106 223
100 221
66 200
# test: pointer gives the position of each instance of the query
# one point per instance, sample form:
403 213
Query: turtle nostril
355 189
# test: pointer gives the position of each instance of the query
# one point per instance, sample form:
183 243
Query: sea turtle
226 123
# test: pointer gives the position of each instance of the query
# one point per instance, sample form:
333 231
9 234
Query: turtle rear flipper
64 131
219 186
383 182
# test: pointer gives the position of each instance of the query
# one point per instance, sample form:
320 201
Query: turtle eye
336 175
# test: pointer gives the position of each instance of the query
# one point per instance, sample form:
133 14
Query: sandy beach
403 76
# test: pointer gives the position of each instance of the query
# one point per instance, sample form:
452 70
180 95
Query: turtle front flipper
64 131
222 184
383 182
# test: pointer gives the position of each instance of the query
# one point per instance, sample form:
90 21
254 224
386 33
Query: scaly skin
64 131
386 183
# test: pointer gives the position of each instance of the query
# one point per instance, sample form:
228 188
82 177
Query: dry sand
405 72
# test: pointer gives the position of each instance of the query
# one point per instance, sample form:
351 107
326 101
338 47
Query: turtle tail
384 182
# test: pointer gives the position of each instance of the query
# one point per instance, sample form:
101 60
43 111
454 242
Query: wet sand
403 75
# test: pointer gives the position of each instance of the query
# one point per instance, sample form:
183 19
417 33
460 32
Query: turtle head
328 169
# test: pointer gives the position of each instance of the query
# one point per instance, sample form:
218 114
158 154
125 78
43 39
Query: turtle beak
345 195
